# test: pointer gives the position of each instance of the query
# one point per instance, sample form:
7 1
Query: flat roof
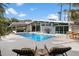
56 21
27 23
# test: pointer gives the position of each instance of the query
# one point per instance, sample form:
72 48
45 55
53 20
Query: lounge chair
57 51
25 51
0 53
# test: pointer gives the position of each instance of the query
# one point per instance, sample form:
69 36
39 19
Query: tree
69 13
2 19
74 13
2 10
65 14
60 12
75 4
14 20
2 26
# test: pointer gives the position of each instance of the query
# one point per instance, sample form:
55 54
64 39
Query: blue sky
34 10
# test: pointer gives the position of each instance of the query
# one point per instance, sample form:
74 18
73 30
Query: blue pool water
36 37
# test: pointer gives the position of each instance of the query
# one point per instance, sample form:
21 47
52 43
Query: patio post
30 28
40 27
16 28
69 27
26 28
35 27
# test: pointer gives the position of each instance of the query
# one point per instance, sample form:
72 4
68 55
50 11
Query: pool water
36 37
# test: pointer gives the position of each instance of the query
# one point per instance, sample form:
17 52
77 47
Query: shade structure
14 24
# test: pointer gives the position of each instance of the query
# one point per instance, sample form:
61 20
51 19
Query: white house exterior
59 27
46 26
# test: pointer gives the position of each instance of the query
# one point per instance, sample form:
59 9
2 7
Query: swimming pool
36 37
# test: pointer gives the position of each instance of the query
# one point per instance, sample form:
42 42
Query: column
35 27
69 25
30 28
40 27
26 28
16 28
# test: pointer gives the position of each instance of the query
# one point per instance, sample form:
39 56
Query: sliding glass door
61 29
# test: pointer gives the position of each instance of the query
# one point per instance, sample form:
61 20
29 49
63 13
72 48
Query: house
44 26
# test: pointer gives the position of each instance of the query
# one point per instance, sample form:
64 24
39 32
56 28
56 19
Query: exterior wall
75 27
29 28
53 28
70 27
48 25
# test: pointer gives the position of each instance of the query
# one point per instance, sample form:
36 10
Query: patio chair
25 51
77 36
72 35
57 51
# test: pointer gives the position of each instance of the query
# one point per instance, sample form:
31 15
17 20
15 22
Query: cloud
7 12
32 9
52 16
19 4
11 11
22 15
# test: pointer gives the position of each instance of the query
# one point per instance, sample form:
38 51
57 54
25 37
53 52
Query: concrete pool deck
13 41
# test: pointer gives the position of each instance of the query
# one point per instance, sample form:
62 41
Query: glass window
61 29
65 29
43 24
38 28
57 29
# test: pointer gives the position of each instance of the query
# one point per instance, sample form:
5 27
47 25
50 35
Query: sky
34 11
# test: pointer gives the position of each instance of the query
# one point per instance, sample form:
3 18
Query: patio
13 41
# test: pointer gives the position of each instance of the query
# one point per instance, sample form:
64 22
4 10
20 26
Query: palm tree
2 10
69 16
2 26
2 19
14 20
74 13
75 4
69 13
65 14
60 13
61 10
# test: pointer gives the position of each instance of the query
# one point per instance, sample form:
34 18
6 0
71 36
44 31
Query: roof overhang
54 21
14 24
